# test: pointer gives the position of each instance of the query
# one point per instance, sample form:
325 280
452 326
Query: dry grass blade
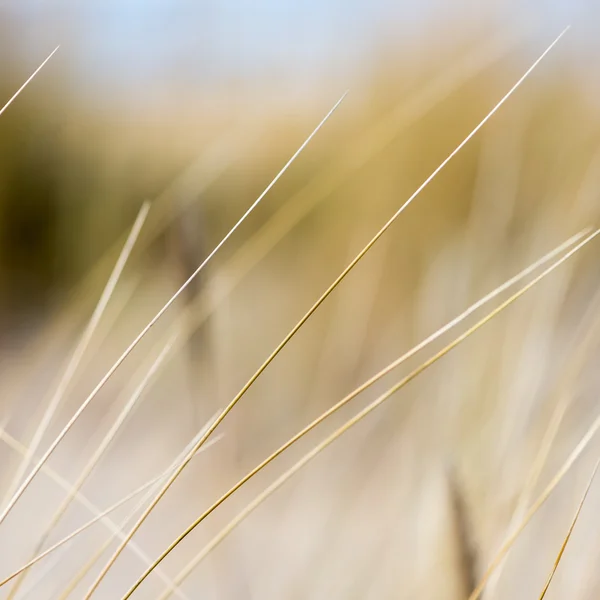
76 357
336 434
152 322
569 532
324 296
97 455
16 94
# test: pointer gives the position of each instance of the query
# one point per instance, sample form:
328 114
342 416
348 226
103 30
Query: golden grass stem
569 532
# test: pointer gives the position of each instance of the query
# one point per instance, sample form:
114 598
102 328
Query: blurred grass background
196 108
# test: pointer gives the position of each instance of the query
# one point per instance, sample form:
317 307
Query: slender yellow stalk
299 205
569 532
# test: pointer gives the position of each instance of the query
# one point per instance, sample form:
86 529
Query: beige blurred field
416 499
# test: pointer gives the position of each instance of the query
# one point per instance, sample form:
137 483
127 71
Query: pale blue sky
131 44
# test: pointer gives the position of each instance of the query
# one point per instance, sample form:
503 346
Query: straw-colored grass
369 518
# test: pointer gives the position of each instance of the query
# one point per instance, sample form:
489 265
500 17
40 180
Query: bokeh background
195 107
